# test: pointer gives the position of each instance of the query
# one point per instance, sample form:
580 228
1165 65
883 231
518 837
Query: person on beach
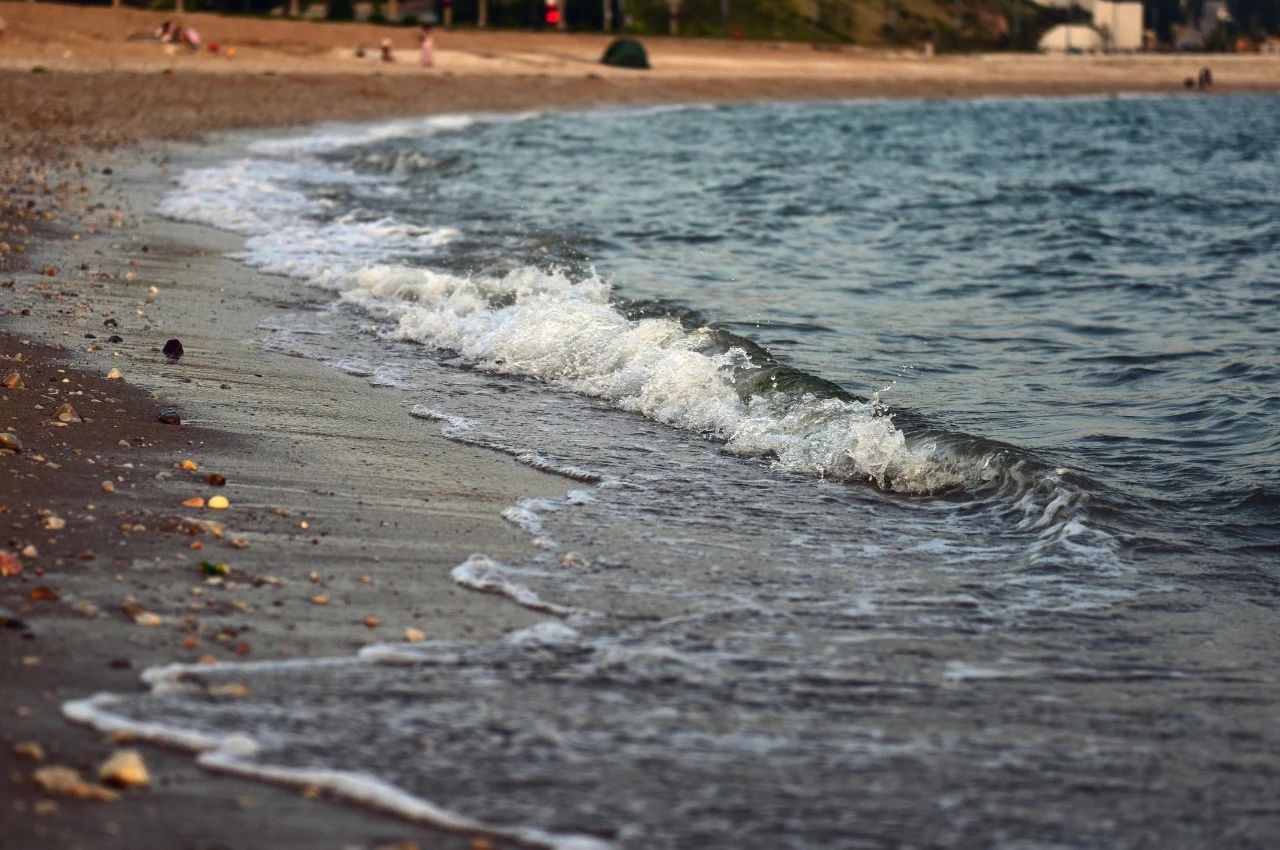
427 46
387 55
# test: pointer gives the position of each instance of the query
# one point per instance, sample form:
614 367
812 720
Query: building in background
1119 24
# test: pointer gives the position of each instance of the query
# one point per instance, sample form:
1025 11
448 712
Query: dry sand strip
68 39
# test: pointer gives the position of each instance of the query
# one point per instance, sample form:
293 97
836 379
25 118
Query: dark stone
169 416
115 338
625 53
10 620
110 323
173 350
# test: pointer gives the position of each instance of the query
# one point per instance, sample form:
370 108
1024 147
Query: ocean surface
922 456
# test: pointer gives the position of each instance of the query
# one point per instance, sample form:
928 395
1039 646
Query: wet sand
325 475
389 505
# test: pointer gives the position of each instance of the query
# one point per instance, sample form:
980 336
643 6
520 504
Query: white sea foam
480 572
569 333
236 753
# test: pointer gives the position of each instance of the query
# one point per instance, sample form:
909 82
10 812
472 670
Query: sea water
922 466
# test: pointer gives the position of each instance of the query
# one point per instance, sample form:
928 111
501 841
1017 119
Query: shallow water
925 458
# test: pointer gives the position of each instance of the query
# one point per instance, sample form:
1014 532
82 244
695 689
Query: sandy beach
106 557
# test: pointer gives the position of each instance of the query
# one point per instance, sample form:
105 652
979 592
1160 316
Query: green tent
625 53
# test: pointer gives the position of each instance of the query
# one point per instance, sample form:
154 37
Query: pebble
115 374
29 750
218 503
67 782
189 465
193 502
372 622
108 487
9 564
10 443
169 416
125 769
67 413
10 620
14 381
230 690
319 599
146 618
54 523
414 635
30 551
173 350
213 479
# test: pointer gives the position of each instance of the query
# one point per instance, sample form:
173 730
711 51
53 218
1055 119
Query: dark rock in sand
10 443
10 620
110 323
213 479
172 350
169 416
115 338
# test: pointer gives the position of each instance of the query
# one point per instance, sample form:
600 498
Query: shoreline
341 475
312 458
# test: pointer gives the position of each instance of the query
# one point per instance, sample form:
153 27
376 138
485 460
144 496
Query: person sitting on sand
387 55
427 46
189 37
164 32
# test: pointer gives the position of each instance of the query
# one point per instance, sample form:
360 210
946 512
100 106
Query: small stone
148 619
115 374
213 479
9 564
14 382
9 443
30 551
108 487
169 416
193 502
573 559
115 338
319 599
189 465
67 413
214 568
124 769
414 635
54 523
239 543
372 622
172 349
85 608
29 750
218 503
56 779
230 690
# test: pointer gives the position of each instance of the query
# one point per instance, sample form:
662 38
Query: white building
1071 38
1120 24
